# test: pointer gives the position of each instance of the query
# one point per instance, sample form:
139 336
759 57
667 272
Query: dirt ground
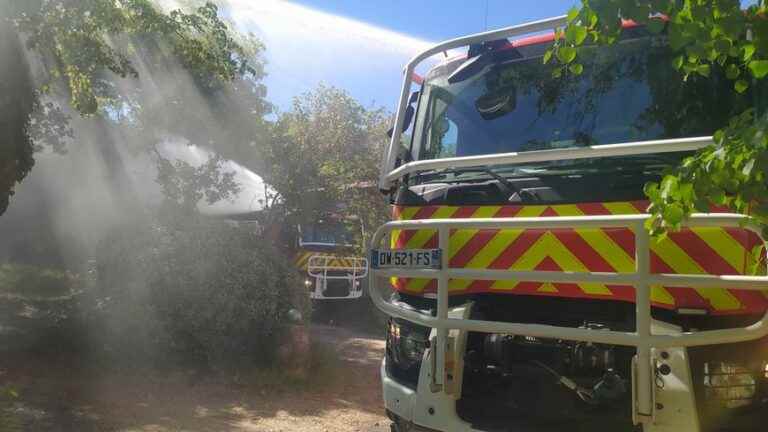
67 397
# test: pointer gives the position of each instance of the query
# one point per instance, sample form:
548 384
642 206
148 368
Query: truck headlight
406 343
729 384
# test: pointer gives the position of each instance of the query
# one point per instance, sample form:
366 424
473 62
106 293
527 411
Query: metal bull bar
318 266
642 279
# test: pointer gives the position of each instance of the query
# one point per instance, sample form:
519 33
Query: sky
361 46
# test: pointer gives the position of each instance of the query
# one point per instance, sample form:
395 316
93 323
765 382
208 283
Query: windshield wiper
506 186
542 169
614 163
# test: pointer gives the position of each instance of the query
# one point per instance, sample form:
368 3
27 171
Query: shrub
202 292
33 281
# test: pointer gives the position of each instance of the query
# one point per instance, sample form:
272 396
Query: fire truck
523 289
326 259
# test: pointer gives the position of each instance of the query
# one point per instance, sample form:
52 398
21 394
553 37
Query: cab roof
542 38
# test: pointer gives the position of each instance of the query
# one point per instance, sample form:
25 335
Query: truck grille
336 288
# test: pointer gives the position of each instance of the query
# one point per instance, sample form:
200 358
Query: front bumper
335 288
424 411
336 277
401 403
421 410
398 398
413 411
667 408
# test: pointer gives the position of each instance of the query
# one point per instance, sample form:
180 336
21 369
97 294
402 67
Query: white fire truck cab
524 292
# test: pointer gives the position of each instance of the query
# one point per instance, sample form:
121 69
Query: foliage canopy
704 35
81 50
325 152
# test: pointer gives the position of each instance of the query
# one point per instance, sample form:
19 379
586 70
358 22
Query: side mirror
497 103
409 112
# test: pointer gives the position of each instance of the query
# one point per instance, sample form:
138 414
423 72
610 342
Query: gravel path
67 397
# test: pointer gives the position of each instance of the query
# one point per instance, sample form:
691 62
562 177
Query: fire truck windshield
626 92
326 233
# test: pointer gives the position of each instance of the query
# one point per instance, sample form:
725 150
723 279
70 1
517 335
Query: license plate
407 258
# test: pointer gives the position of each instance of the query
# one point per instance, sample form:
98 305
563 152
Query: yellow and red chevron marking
301 261
692 251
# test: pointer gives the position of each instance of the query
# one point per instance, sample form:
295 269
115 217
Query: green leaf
592 20
702 205
686 192
722 46
757 253
741 86
547 56
749 51
660 235
655 25
717 196
747 170
575 34
651 190
576 68
566 54
678 62
759 68
703 70
669 187
696 52
718 137
673 214
650 224
677 39
573 13
732 71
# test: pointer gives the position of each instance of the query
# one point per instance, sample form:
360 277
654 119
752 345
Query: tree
84 49
325 152
16 107
703 35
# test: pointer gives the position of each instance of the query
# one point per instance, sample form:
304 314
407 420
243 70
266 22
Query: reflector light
690 311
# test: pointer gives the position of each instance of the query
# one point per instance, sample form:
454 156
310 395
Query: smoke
69 202
147 287
107 176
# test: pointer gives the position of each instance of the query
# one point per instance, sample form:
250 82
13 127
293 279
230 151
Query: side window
418 140
440 133
436 134
449 137
442 137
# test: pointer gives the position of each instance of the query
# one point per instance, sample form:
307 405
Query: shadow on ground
65 395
